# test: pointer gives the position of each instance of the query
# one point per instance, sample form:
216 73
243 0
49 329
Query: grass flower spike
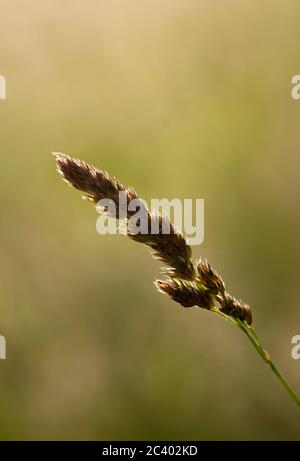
187 283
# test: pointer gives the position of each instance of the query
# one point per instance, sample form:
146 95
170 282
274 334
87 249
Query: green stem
229 319
251 334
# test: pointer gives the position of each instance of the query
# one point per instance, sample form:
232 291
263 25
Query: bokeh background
187 99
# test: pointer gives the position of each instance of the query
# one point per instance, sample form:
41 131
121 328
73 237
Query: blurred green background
187 99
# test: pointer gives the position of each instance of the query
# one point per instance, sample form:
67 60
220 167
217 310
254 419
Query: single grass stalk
252 336
186 283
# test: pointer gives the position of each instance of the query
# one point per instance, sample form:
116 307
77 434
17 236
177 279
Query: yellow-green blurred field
187 99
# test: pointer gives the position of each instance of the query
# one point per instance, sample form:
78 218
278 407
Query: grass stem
252 336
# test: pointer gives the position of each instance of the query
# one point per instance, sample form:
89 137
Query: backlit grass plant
187 283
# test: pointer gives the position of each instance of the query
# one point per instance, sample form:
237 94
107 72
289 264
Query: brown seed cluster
186 283
209 277
95 184
235 308
185 292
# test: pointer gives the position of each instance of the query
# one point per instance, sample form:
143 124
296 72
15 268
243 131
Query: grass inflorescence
187 283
